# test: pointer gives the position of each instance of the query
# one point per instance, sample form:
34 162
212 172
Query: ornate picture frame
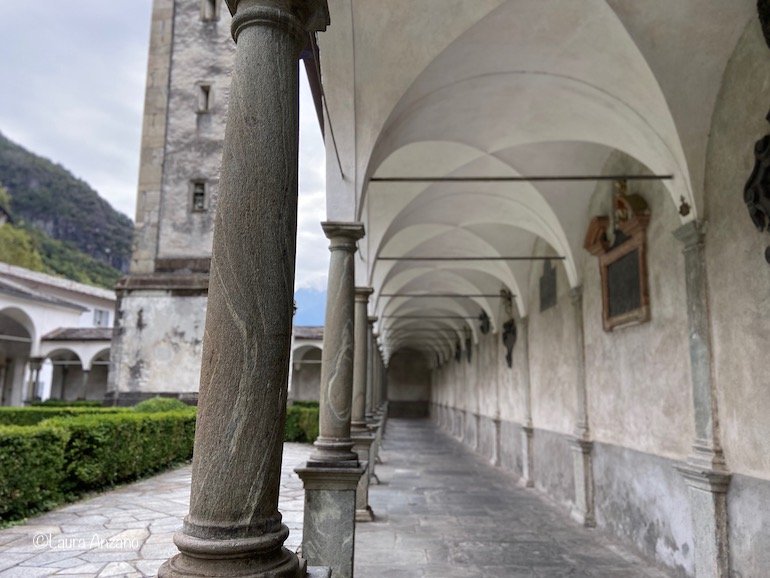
620 244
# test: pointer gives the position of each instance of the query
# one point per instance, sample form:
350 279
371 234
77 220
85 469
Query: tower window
209 10
198 196
204 98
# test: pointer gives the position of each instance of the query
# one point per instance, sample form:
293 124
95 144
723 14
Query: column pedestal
527 474
330 513
364 446
583 512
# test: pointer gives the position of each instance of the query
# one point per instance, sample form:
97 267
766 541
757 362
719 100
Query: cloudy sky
73 76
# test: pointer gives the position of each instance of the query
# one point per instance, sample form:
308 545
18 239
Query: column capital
343 235
363 293
297 16
372 319
691 234
576 294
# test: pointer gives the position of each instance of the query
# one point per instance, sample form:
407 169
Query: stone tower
162 302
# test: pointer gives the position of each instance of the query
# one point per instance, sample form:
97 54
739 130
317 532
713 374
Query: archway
16 338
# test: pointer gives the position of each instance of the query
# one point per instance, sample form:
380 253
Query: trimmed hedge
32 466
103 450
62 403
34 415
64 457
301 424
158 403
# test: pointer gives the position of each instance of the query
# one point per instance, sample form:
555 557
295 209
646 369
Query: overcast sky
72 76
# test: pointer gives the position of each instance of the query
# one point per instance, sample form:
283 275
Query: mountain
48 198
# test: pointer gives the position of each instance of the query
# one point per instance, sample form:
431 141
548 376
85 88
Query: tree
17 248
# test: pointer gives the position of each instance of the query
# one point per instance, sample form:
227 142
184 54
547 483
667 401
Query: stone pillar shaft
582 445
334 446
234 527
527 431
370 368
706 473
358 420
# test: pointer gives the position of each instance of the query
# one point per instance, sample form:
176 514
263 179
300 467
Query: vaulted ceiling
495 88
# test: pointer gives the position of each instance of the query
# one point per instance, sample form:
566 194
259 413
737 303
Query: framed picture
622 260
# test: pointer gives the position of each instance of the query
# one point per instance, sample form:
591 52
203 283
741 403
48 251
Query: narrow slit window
198 197
204 98
208 10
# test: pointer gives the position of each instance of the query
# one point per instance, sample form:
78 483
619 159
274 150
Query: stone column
370 370
582 445
234 527
358 421
333 470
363 438
527 430
35 364
705 472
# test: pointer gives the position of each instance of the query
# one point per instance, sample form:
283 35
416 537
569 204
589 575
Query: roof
79 334
27 277
308 332
8 287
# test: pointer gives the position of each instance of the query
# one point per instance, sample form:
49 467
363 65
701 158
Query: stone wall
408 384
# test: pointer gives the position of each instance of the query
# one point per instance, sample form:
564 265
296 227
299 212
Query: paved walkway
126 532
442 511
445 512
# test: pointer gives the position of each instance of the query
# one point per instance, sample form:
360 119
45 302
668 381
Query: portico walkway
442 511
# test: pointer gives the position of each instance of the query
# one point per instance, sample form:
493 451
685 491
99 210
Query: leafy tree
18 248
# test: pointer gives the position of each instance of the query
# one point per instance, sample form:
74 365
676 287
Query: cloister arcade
491 165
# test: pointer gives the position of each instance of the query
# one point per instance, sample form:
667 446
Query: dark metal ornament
485 323
509 340
763 7
756 193
468 350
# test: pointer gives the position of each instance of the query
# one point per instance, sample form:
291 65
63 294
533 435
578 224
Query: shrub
32 466
301 424
157 404
305 404
34 415
63 403
103 450
63 457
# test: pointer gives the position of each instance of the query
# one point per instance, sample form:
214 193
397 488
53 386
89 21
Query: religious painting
620 243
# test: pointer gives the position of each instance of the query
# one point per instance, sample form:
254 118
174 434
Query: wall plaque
622 260
547 286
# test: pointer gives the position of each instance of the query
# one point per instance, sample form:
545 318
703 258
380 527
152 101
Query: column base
328 535
225 563
708 499
333 453
527 474
583 512
365 515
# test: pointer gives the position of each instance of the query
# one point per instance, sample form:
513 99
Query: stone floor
442 511
126 532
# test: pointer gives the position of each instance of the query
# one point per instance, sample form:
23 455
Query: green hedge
32 466
156 404
301 424
103 450
34 415
64 457
62 403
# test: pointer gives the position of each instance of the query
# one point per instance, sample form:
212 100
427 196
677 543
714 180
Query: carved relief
509 340
619 240
756 193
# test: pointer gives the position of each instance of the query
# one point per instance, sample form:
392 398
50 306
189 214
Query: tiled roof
79 334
